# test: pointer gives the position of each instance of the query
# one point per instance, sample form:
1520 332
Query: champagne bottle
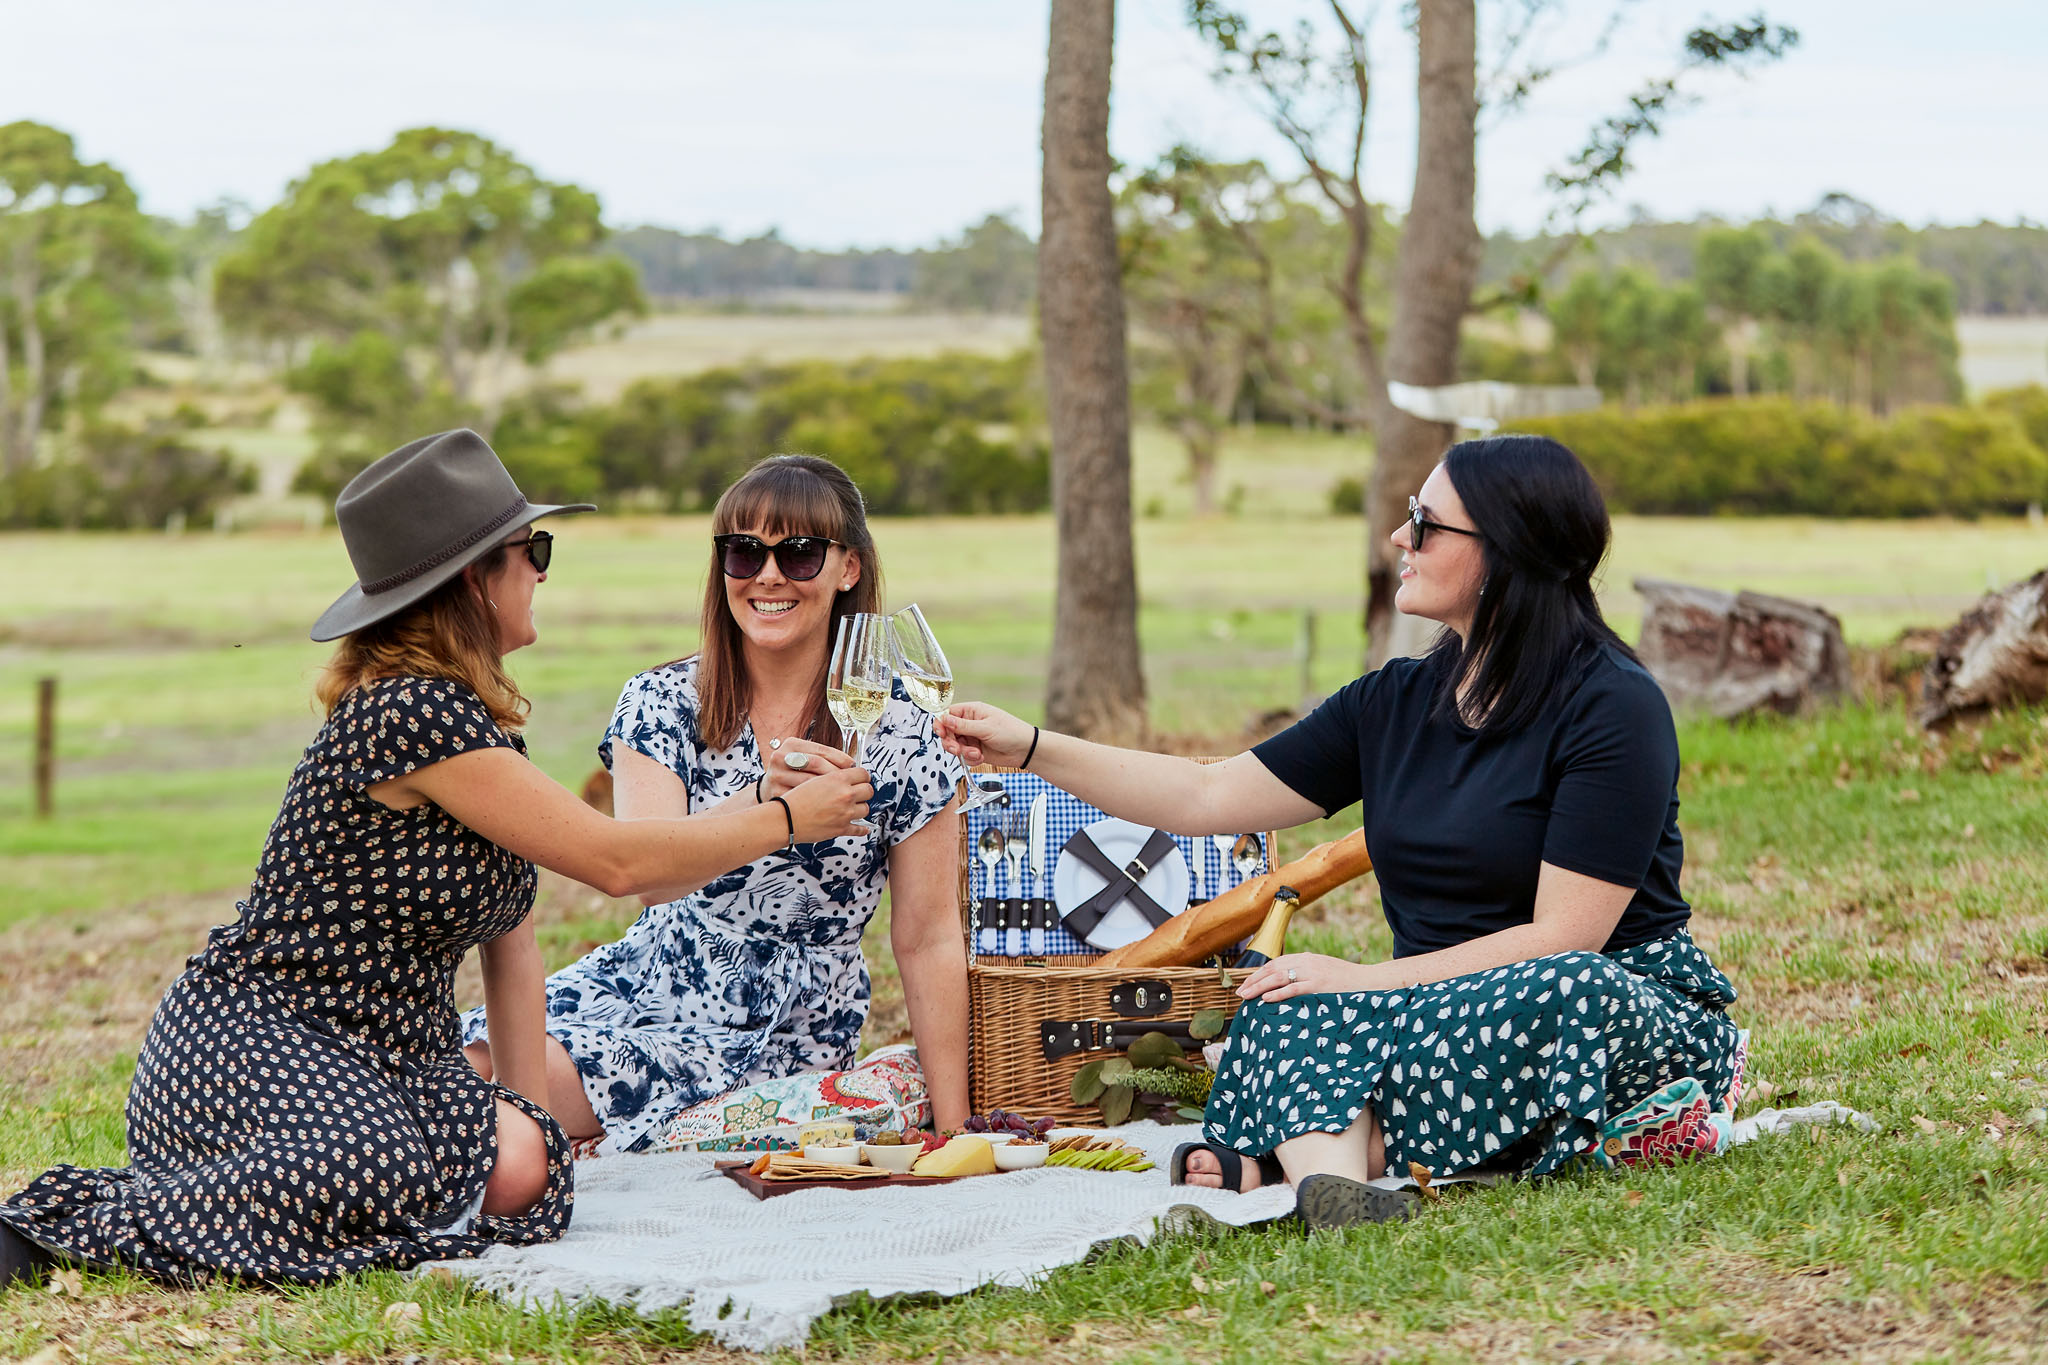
1271 940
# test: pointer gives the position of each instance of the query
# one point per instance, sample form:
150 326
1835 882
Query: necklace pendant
774 744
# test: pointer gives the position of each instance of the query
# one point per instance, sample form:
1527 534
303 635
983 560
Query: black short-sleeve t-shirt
1459 824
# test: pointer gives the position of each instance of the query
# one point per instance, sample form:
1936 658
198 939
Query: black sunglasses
801 558
539 547
1419 525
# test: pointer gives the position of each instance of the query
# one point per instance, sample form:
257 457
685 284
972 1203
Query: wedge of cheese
962 1156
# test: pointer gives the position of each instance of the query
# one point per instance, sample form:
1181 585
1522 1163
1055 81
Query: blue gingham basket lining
1064 814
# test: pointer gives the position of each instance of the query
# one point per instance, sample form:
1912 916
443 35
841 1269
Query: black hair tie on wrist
789 817
757 785
1030 751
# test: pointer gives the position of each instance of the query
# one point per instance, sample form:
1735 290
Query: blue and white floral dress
759 974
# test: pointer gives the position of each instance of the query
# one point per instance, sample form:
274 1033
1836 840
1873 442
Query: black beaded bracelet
790 817
1032 750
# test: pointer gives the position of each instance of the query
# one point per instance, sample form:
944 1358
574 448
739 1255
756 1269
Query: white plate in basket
1074 882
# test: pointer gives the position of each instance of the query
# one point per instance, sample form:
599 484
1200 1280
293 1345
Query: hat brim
355 609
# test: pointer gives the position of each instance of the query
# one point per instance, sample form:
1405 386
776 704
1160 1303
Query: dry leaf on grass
70 1282
189 1336
403 1316
1632 1197
1925 1124
1268 1288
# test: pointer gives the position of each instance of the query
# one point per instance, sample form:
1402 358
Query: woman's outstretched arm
505 798
931 955
1175 794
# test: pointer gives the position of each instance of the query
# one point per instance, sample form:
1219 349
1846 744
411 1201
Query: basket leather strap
1064 1037
1122 883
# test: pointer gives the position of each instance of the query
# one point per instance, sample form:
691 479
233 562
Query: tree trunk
1202 440
1096 684
10 458
35 378
1434 275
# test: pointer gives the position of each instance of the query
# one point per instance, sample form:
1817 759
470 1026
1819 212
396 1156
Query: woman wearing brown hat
301 1107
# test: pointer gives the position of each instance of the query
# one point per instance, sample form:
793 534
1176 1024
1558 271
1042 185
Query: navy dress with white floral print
759 974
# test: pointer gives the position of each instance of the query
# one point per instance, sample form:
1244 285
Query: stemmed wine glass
857 680
928 678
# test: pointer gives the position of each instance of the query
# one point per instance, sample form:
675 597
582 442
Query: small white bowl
833 1154
992 1139
1010 1157
897 1157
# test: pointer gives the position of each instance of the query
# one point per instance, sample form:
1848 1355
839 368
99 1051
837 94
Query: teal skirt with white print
1517 1067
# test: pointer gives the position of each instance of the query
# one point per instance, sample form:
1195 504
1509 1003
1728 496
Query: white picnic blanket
667 1231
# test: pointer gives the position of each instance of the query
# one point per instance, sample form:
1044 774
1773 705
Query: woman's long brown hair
448 634
783 495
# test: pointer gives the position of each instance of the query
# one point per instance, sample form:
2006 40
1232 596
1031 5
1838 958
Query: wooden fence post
46 746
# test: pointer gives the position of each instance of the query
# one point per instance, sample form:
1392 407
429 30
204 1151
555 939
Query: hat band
440 557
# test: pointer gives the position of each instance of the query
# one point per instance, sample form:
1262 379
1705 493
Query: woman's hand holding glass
975 732
797 762
831 805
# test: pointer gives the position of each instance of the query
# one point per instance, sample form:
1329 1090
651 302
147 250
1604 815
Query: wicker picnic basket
1033 1022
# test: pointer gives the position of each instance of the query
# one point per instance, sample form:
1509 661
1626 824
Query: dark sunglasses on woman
1418 525
539 547
801 558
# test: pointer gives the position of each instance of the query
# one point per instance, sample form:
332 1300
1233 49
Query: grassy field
1876 895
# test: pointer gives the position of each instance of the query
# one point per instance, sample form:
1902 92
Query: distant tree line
1993 268
1753 318
988 268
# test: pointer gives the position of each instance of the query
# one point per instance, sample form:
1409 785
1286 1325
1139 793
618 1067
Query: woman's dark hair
1543 531
783 495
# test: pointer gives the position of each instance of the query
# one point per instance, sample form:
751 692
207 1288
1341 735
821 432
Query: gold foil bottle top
1271 940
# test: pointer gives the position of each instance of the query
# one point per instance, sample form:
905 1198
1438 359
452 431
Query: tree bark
1434 275
1096 684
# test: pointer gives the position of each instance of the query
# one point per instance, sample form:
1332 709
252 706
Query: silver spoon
1244 855
989 850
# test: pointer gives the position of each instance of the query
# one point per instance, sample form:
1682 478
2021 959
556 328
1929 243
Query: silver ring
1292 975
797 762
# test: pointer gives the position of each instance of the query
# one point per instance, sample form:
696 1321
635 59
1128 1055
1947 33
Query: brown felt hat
420 516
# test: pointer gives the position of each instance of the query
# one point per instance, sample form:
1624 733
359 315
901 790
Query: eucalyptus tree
79 263
435 261
1726 262
1096 683
1315 86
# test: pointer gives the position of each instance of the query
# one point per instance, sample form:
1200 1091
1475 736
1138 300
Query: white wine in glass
928 678
922 665
857 680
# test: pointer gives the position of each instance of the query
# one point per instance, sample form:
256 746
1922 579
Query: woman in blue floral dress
758 974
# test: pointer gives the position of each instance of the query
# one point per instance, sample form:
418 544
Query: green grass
1876 895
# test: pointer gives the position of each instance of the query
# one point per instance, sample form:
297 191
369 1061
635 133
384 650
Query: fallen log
1996 654
1731 653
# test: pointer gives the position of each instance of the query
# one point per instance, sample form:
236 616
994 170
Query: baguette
1204 930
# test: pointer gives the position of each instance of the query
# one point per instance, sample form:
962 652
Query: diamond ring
797 762
1292 975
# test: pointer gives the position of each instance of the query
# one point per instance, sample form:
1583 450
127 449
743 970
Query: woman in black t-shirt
1519 799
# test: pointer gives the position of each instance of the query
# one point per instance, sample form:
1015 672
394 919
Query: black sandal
1334 1201
1232 1163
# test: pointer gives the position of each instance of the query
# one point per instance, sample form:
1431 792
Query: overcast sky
897 122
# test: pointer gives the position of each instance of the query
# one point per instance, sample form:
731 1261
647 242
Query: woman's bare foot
1205 1168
